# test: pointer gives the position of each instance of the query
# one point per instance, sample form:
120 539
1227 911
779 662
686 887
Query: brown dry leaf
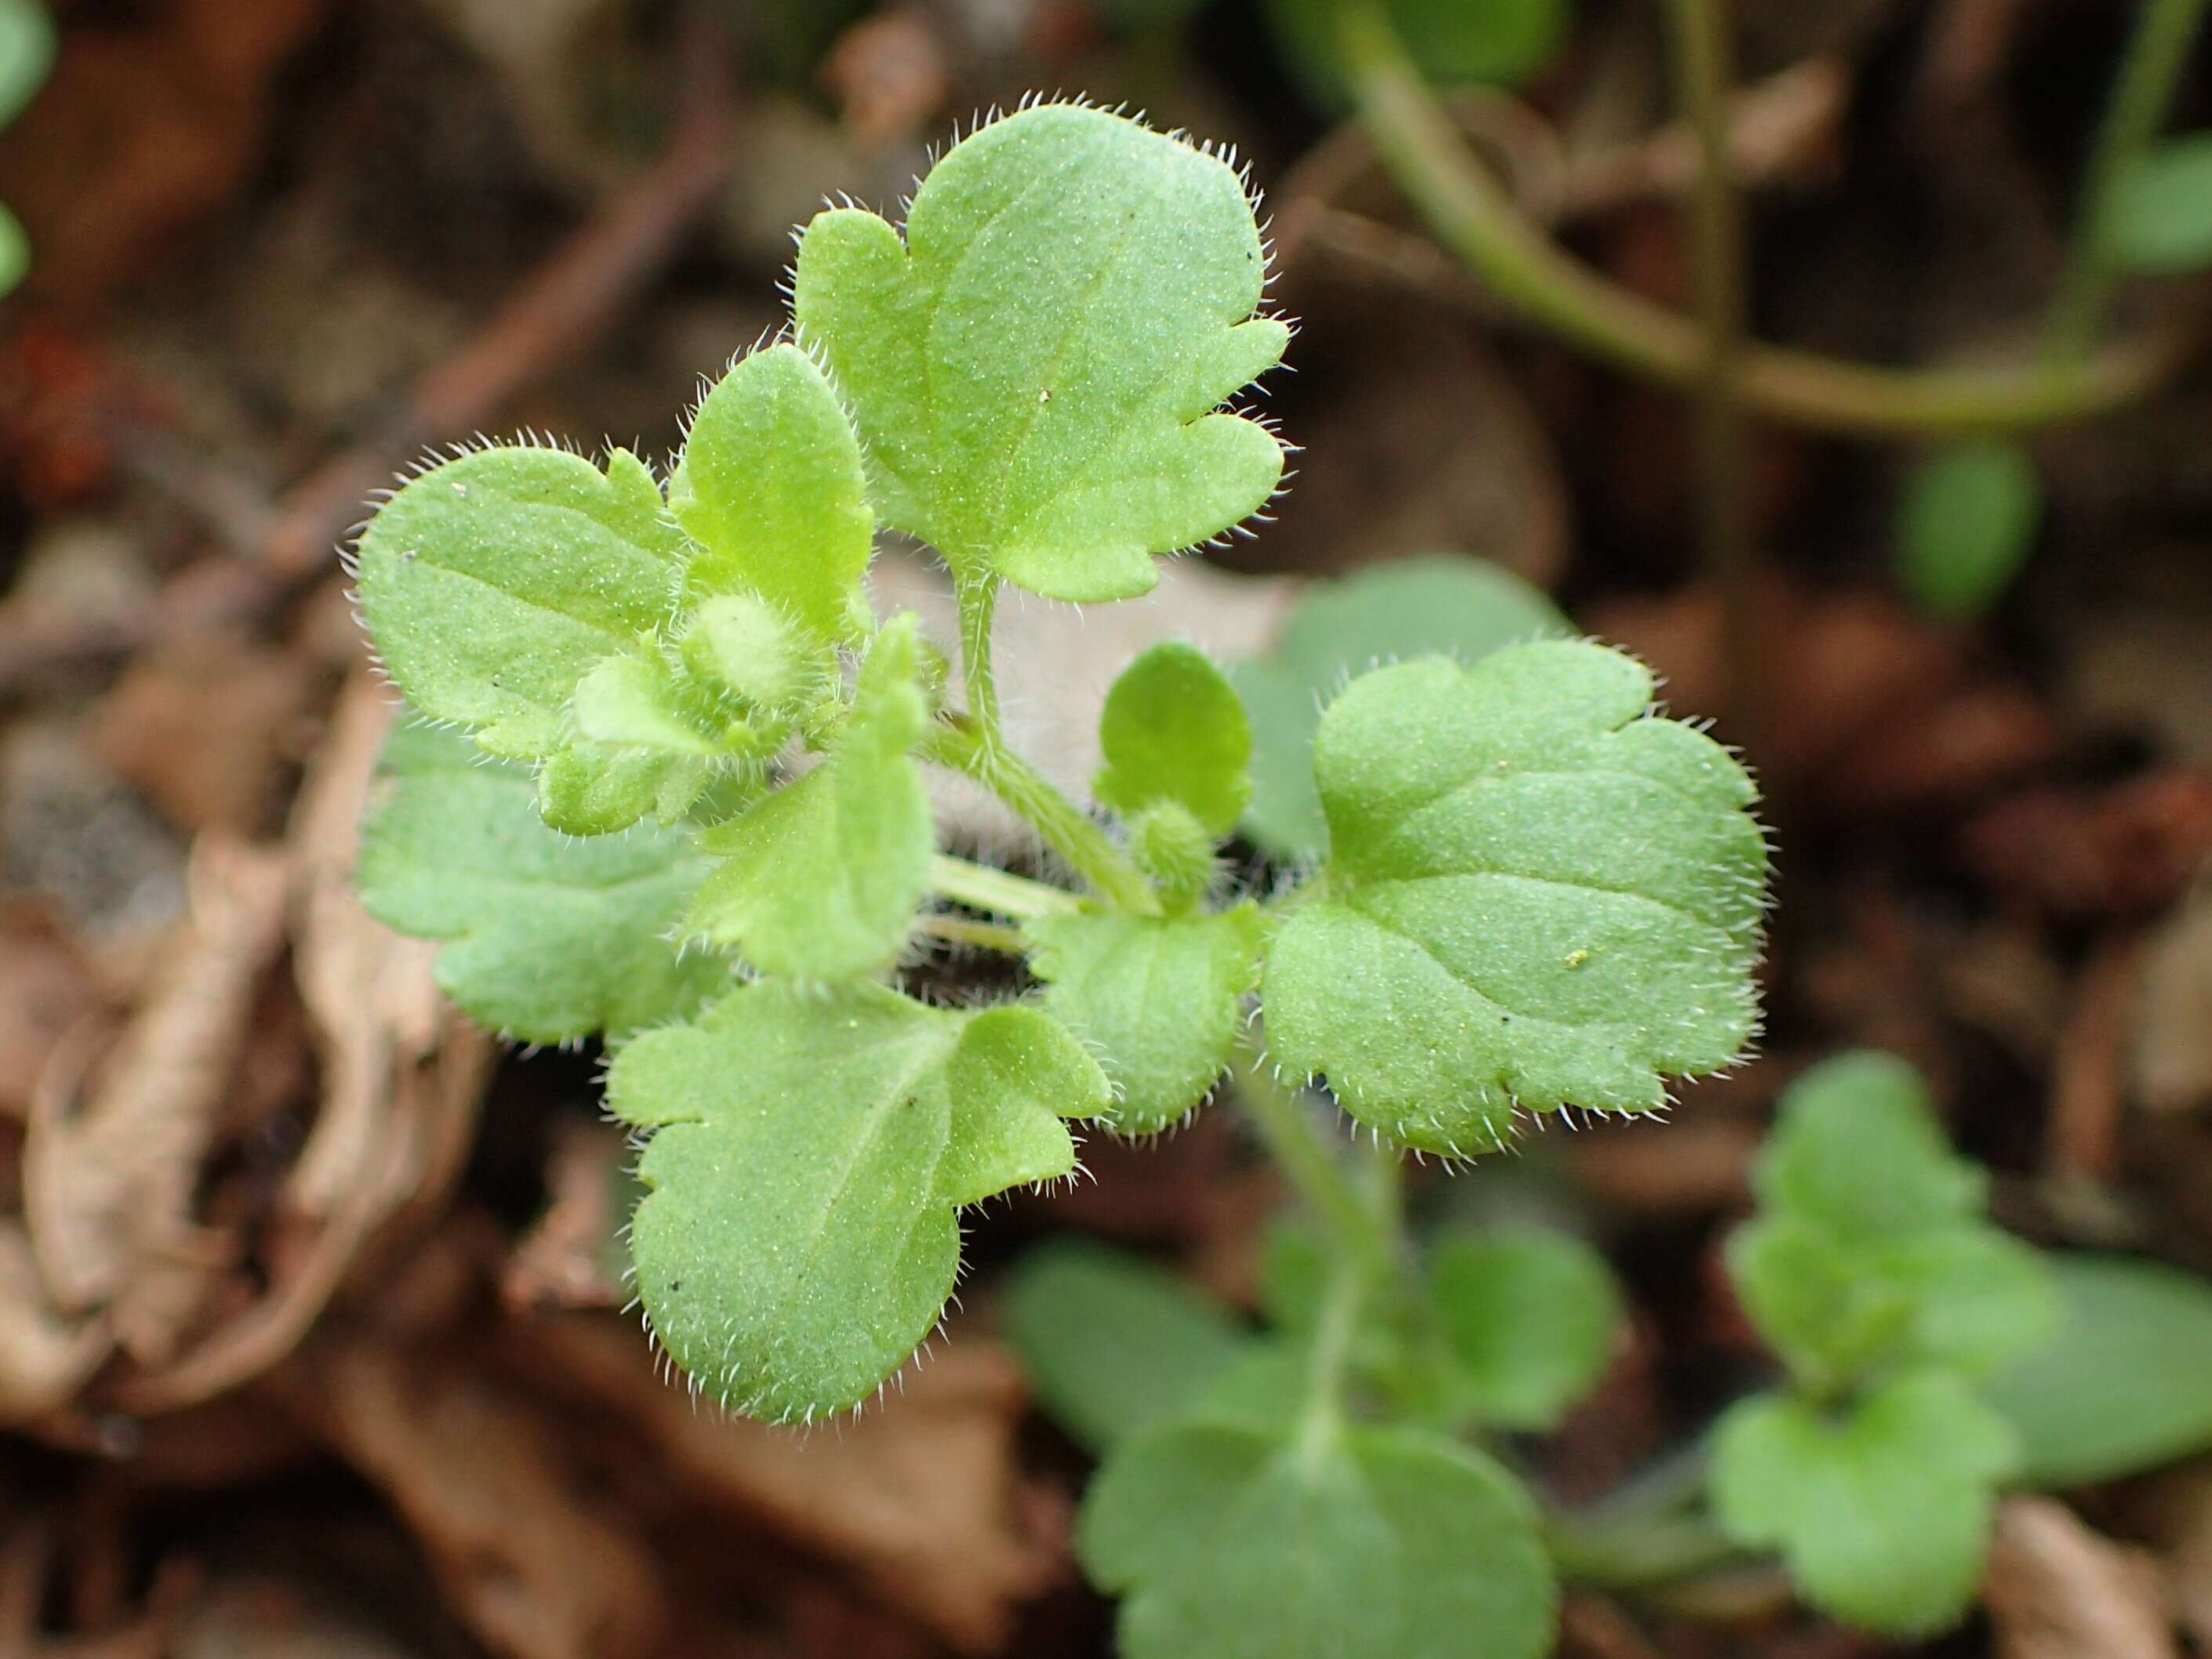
2173 1511
2057 1590
2171 1049
573 1258
520 1547
46 987
402 1077
141 130
116 1147
2125 851
921 1495
1869 707
44 1356
202 728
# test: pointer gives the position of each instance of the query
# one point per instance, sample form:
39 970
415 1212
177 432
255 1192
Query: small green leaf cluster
683 805
26 54
1873 1272
1241 1509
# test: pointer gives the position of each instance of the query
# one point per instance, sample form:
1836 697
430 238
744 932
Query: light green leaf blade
26 54
810 1149
2160 219
2124 1384
1037 367
1816 1299
599 789
1174 729
1238 1542
1160 999
1538 898
633 699
1856 1148
1529 1320
772 490
822 877
549 938
493 583
1438 604
1966 526
1112 1343
1883 1515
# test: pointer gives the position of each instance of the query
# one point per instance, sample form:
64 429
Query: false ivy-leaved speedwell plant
681 802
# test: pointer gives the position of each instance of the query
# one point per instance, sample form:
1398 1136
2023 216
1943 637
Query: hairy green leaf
1241 1542
1036 367
1538 897
772 490
1160 999
2121 1386
1174 730
1529 1321
549 938
495 582
1112 1343
822 877
634 700
598 789
811 1150
1966 524
2161 219
1883 1513
1438 604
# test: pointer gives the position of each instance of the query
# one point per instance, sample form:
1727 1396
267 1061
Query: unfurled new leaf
1036 367
548 938
771 489
822 877
1441 605
1160 999
1174 730
633 701
495 582
1882 1512
599 788
811 1150
1112 1343
1538 896
1870 1249
1243 1543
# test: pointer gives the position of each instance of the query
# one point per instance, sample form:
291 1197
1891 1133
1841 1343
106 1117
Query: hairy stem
978 597
999 891
1364 1219
2157 53
1705 55
958 743
1476 218
964 930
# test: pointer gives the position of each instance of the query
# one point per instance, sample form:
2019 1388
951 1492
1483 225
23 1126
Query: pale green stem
1001 892
1704 69
978 597
1364 1224
959 743
964 930
1477 220
2158 53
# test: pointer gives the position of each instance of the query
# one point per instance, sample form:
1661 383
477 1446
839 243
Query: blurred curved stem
1704 58
1473 216
2158 52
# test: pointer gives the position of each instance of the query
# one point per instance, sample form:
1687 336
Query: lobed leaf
1538 897
1036 368
1529 1321
772 489
1173 729
548 938
822 877
495 582
1438 604
1883 1513
1160 999
1856 1148
1112 1343
1239 1541
2119 1386
811 1150
599 788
